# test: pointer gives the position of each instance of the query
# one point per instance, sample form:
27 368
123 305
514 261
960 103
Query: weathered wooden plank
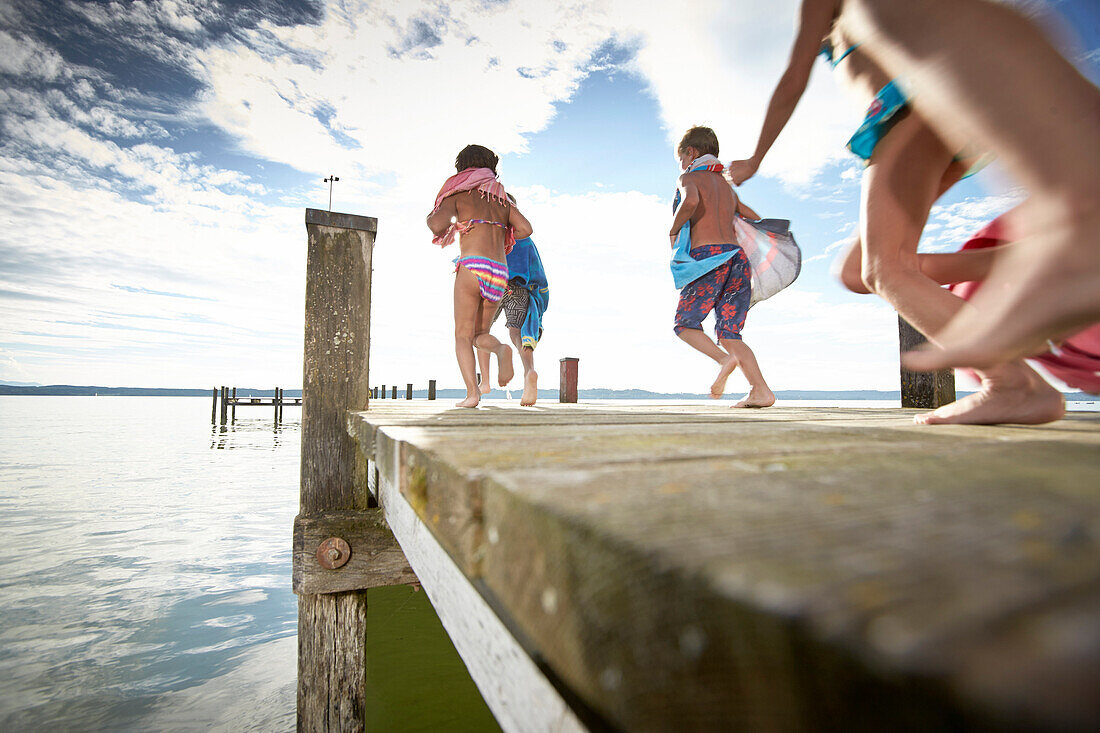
332 627
331 674
516 691
783 571
337 337
376 559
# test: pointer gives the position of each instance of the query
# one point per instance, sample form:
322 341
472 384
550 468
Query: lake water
145 577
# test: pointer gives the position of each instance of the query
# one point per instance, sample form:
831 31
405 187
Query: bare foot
1044 287
758 397
504 365
1012 393
530 388
485 387
719 387
470 401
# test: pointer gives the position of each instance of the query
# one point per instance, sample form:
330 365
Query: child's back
712 221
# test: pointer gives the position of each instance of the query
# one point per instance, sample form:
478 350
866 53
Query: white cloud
384 95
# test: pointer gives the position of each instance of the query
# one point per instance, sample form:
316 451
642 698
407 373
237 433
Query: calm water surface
145 577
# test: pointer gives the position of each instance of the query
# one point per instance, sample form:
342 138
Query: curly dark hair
476 156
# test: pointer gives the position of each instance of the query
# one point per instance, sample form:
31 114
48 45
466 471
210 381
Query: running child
474 207
721 279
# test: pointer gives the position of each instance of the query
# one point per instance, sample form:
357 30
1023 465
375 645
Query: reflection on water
145 578
140 571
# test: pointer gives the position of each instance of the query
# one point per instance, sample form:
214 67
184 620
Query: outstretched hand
739 171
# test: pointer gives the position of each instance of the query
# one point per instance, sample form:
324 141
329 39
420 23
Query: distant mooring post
925 390
332 626
567 389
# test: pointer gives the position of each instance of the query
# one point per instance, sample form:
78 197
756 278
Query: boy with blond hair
708 253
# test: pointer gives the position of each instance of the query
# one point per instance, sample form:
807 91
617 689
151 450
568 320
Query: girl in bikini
908 167
473 207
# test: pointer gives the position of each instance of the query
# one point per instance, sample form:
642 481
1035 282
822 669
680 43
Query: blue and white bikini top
827 52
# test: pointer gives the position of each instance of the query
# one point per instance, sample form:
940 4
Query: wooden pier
225 402
700 568
649 568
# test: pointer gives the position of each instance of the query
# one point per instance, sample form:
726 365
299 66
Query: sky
156 158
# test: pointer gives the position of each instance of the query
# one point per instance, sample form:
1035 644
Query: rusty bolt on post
333 553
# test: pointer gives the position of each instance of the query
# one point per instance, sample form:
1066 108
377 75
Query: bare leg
467 301
848 267
945 268
487 342
727 363
530 376
897 194
483 364
1009 89
760 395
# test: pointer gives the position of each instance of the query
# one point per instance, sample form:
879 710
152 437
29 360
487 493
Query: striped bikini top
465 226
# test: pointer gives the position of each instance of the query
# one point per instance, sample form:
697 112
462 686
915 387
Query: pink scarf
479 179
482 179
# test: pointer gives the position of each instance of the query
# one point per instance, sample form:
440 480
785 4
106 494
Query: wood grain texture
376 558
337 347
925 390
332 627
519 696
695 568
332 636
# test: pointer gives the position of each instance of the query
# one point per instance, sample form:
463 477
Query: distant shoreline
68 390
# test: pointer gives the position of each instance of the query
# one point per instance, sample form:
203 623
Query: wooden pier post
275 403
925 390
332 626
567 389
431 389
409 391
224 415
214 408
233 408
383 395
393 396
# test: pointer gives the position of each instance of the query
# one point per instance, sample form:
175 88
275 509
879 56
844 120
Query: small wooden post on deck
431 389
393 396
567 390
383 392
925 390
409 391
332 627
214 408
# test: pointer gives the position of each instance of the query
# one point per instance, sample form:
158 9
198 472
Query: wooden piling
925 390
431 389
383 392
224 415
214 408
275 403
409 391
233 408
393 396
332 626
567 390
